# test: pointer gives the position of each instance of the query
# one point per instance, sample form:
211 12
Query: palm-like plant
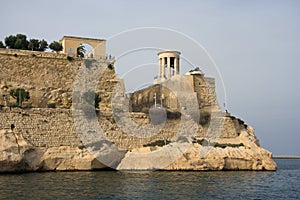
80 51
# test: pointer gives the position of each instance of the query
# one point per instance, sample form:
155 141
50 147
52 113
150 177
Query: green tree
80 51
17 42
37 45
34 44
56 46
10 41
1 45
20 95
21 42
43 45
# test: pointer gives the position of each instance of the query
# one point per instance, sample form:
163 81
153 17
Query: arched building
70 44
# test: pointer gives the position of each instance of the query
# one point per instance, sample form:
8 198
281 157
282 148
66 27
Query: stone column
175 66
159 69
163 68
169 67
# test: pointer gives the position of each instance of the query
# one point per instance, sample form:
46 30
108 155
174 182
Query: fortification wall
48 77
39 70
56 127
45 127
205 89
187 88
42 127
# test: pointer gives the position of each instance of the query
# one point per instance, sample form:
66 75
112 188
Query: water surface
282 184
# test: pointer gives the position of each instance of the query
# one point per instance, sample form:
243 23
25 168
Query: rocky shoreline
17 155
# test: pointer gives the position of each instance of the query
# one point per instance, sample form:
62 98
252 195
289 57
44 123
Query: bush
204 118
159 143
20 95
70 58
110 66
56 46
51 105
1 45
13 105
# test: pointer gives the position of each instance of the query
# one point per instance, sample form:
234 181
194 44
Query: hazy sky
254 43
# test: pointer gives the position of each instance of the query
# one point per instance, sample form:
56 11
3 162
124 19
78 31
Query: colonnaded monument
76 115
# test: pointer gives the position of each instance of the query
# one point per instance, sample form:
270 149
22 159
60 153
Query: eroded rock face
13 149
68 158
229 158
243 154
240 153
17 155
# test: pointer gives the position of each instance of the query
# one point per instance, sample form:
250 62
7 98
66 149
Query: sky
254 45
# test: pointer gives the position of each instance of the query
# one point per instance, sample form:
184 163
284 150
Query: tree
17 42
1 45
21 42
10 41
34 44
37 45
56 46
20 95
80 51
43 45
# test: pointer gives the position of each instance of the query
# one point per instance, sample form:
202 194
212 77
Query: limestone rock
229 158
16 154
69 158
13 149
189 156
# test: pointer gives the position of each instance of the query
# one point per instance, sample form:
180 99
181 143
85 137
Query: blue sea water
281 184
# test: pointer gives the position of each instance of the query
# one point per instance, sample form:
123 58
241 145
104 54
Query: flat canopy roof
81 38
169 51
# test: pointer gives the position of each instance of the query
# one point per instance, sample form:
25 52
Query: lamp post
154 100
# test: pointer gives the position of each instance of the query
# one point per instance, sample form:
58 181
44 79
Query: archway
71 43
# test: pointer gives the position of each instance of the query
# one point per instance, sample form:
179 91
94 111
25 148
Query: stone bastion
46 122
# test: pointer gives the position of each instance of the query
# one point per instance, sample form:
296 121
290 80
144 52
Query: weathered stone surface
17 155
247 156
229 158
13 149
69 158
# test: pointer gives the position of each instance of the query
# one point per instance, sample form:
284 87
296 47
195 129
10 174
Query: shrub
70 58
1 45
20 95
159 143
110 66
51 105
204 118
56 46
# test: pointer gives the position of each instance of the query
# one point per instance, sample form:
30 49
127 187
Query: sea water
281 184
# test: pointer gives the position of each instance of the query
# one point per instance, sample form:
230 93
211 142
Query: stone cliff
57 130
